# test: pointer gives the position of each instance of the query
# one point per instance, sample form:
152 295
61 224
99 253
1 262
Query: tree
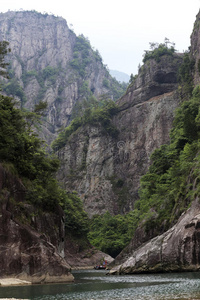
4 50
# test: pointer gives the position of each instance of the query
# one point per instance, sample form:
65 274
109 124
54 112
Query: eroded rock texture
175 250
106 170
31 243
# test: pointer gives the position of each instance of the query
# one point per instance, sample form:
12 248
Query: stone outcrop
175 250
44 66
31 243
195 49
154 78
105 170
86 258
34 245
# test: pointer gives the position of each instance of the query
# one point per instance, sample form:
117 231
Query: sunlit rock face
105 170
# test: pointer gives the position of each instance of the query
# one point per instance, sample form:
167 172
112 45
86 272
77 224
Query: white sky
121 30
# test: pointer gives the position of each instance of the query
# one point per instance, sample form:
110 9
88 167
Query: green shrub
159 51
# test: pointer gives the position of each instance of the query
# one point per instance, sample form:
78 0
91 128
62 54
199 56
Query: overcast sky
121 30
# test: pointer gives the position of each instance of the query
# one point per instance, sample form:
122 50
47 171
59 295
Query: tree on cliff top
158 50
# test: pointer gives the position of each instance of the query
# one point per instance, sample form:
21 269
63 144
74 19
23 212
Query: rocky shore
13 281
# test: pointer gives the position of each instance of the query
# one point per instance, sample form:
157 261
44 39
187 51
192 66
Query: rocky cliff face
178 248
31 243
175 250
49 62
34 245
106 170
194 49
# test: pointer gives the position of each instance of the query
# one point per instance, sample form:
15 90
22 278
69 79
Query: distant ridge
120 76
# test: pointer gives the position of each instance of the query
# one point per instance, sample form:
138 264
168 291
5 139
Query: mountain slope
167 237
49 62
105 166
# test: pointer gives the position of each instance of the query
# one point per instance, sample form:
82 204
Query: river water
95 285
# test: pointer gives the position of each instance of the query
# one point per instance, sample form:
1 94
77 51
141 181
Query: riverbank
13 281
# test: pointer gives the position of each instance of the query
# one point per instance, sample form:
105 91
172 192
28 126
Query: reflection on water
95 285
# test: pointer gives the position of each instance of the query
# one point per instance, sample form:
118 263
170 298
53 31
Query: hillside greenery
171 183
158 50
167 189
111 234
91 112
23 154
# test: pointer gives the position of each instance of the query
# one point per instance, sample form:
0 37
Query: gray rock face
106 170
43 49
194 50
154 79
175 250
30 246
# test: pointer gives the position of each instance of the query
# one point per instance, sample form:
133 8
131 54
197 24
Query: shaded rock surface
33 244
175 250
30 246
105 170
84 259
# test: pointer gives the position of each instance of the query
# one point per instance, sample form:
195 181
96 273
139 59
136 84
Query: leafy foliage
159 50
13 88
82 55
166 189
111 234
4 50
23 150
76 219
185 76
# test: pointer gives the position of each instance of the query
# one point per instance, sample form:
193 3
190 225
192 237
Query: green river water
94 285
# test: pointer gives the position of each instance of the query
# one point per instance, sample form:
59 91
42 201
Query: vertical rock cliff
195 49
177 249
105 169
49 62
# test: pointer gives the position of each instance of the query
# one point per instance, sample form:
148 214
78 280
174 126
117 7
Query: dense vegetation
110 233
23 154
158 50
172 180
